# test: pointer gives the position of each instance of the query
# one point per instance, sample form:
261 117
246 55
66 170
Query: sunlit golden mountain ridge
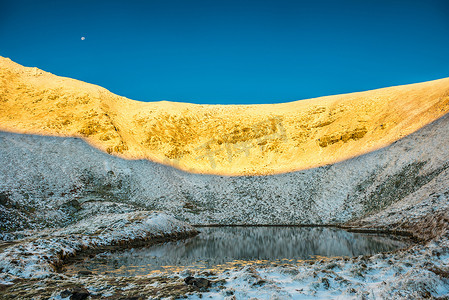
217 139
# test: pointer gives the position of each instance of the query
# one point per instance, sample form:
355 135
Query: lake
226 247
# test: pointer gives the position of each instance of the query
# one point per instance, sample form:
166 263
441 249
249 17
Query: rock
325 282
76 293
72 206
201 282
85 272
197 282
79 293
259 281
5 286
65 293
4 198
189 280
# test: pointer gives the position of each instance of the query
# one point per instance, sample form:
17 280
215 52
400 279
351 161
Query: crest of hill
217 139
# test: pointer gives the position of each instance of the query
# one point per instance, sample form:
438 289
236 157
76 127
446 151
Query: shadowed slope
217 139
63 179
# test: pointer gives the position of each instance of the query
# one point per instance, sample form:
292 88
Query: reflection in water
221 247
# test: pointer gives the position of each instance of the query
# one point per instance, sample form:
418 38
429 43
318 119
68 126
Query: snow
38 258
384 276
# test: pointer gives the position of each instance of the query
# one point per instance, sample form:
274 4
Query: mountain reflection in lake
220 247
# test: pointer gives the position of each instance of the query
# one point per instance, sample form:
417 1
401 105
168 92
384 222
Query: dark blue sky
230 52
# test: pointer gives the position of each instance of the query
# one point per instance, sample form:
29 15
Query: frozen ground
411 274
61 194
39 256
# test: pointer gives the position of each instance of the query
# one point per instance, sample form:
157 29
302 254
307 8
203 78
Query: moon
83 38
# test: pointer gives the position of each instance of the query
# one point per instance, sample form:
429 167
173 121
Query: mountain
217 139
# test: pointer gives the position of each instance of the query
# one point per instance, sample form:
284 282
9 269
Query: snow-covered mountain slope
56 180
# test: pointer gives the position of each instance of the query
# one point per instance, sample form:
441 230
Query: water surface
224 247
